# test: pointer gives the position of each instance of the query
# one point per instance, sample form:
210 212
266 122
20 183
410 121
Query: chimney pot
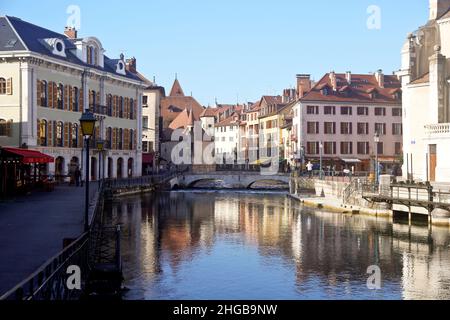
71 32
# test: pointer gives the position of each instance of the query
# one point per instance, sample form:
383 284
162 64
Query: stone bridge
235 180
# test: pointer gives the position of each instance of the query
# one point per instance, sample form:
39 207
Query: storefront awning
147 158
351 160
27 156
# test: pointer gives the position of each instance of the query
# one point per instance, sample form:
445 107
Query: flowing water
252 245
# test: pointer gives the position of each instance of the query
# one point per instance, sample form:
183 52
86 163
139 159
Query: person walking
77 176
310 168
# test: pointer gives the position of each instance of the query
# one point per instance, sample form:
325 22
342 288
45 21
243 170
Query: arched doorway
59 169
119 168
130 167
93 169
110 168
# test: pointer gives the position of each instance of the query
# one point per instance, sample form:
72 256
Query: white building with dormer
425 77
52 79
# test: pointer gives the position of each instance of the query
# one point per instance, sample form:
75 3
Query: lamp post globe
87 124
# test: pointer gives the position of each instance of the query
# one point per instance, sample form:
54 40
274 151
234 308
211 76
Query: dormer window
92 55
56 46
120 68
325 91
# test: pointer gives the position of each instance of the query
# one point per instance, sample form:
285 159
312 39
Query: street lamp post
101 169
87 123
376 139
321 160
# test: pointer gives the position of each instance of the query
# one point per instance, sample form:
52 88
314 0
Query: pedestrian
77 176
310 168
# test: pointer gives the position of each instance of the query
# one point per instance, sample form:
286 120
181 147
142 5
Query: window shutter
66 135
66 98
70 97
134 140
50 95
97 100
80 138
55 96
81 100
115 106
135 110
114 138
9 128
9 88
38 133
50 134
38 92
126 139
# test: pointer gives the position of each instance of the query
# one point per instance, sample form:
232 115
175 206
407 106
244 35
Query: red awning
30 156
147 158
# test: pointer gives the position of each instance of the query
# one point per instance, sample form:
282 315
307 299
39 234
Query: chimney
349 77
303 85
380 78
333 80
131 65
438 8
71 32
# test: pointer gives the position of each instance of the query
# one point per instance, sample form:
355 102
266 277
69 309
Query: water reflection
203 245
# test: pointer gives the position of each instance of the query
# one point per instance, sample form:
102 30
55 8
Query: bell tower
438 8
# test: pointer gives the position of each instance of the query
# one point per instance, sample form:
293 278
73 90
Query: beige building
51 79
340 116
425 80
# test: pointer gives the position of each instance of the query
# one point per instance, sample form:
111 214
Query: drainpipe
20 103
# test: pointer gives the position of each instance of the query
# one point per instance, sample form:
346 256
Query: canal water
243 245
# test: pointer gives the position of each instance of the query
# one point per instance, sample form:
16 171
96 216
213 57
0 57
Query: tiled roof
176 91
359 90
209 113
227 122
273 99
172 106
423 79
32 37
183 120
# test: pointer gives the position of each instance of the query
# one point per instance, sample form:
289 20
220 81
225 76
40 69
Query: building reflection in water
204 245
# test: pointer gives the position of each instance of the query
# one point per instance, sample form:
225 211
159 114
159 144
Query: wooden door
433 162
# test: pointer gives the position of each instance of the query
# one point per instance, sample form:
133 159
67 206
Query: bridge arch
279 182
192 184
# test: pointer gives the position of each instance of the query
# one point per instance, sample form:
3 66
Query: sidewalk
336 205
32 229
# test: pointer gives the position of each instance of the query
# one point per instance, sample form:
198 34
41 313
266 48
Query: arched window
120 140
59 134
2 86
131 109
60 96
121 107
43 133
3 128
109 104
75 97
109 138
74 136
131 139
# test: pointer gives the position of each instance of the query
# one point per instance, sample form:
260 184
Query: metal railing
49 282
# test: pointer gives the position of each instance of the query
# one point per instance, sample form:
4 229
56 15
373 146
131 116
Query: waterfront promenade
32 229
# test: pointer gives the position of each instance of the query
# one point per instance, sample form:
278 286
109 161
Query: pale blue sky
238 48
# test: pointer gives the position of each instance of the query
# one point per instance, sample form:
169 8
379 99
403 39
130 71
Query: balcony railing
99 109
441 129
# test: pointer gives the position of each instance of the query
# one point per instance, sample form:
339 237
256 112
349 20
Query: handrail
48 282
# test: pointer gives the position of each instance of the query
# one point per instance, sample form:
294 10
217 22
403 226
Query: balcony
102 110
435 131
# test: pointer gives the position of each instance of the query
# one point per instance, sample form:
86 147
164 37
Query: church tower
438 8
